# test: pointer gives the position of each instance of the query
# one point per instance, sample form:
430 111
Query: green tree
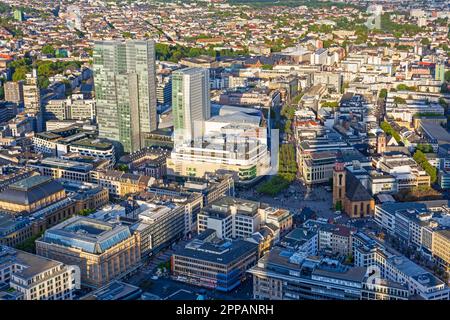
447 76
287 127
399 100
127 35
20 73
123 167
383 94
29 245
2 91
443 103
425 148
425 42
422 160
404 87
86 212
387 128
330 104
48 49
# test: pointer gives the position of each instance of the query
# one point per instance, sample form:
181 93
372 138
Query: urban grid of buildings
212 149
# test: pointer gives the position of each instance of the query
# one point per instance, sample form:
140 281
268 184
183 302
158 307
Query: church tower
381 143
339 185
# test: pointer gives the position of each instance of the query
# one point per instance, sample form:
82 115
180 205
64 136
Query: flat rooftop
33 264
29 183
223 207
221 252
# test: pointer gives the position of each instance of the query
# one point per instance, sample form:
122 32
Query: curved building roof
30 190
89 235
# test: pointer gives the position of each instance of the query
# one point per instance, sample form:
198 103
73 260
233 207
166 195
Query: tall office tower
125 91
374 20
32 99
439 72
14 92
18 15
191 103
31 93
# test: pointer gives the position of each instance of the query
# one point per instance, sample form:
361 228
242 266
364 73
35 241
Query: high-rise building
18 15
32 99
14 92
164 90
191 104
439 72
125 89
374 20
31 93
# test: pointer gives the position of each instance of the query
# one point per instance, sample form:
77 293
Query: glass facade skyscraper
125 91
190 101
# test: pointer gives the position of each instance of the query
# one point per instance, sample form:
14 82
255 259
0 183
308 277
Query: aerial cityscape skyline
224 150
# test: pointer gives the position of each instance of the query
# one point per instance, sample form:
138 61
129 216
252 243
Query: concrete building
234 218
38 278
31 194
160 225
119 183
289 275
385 264
102 251
31 93
14 92
213 263
115 290
440 248
349 195
406 171
64 169
236 140
74 107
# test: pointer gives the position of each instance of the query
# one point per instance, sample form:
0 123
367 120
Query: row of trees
425 148
45 69
166 52
404 87
421 159
399 100
330 104
398 30
387 128
287 172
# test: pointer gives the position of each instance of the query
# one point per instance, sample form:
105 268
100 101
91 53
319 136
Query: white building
191 104
236 140
36 277
420 283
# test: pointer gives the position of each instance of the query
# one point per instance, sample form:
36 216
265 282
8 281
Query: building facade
101 250
125 89
191 104
38 278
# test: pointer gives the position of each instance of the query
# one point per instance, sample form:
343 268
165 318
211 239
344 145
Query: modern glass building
191 103
125 89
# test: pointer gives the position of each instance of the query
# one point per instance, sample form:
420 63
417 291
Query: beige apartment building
441 248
